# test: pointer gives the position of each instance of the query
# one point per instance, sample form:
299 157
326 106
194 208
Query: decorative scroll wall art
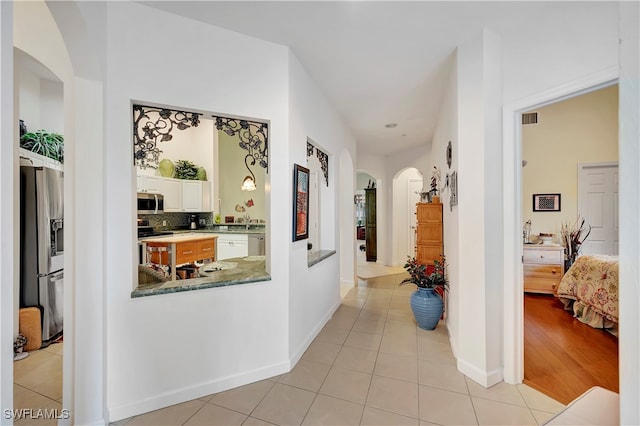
453 187
254 138
322 157
153 125
300 202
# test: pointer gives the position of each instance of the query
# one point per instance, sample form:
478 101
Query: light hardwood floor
562 356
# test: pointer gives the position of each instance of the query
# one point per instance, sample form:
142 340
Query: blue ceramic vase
427 307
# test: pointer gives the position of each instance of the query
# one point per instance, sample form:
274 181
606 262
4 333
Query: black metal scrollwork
322 157
324 163
253 138
152 125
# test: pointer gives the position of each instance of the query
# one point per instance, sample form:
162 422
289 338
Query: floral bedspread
590 289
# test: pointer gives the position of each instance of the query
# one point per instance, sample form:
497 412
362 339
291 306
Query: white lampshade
248 184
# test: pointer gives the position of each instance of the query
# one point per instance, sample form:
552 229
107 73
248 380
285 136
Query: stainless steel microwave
150 203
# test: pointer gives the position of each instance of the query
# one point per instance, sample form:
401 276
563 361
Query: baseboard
197 391
295 357
347 283
484 378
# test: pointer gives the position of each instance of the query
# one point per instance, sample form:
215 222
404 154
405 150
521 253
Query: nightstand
543 268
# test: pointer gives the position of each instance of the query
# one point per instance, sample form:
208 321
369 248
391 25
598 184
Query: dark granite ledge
319 256
247 270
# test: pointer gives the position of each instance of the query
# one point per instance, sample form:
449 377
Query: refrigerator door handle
57 276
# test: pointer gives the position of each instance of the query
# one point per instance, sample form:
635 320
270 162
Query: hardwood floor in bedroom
562 356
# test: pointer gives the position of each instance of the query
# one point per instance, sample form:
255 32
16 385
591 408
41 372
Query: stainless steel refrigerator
42 246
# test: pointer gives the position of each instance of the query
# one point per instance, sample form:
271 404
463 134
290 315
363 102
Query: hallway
370 365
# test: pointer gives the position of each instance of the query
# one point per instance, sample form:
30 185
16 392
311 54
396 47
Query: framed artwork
300 202
546 202
453 187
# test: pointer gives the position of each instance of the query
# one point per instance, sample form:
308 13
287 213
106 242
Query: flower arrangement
573 235
426 276
435 179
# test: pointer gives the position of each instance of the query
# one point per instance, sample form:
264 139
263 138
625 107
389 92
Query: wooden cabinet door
371 237
207 249
429 233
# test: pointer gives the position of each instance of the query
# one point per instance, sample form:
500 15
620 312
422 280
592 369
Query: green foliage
186 170
426 276
44 143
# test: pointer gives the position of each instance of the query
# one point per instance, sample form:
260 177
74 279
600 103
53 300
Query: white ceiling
378 62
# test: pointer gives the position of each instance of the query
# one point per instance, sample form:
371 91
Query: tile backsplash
176 220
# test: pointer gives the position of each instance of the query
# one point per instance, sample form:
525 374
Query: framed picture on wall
300 202
546 202
453 187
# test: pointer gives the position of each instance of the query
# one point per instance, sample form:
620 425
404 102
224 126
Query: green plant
45 143
186 170
426 276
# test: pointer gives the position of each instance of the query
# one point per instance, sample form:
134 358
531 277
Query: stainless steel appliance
256 245
150 203
42 246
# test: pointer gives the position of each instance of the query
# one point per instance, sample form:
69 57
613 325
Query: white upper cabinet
151 184
186 195
196 196
172 192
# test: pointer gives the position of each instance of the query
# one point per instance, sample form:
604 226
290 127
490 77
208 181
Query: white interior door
413 186
598 205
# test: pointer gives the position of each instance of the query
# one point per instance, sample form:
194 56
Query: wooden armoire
371 245
429 233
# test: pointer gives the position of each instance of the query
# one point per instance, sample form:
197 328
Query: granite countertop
180 237
238 229
245 270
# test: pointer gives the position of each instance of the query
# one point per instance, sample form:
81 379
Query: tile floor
370 365
37 382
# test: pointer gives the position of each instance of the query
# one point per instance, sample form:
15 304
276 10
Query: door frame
411 211
513 286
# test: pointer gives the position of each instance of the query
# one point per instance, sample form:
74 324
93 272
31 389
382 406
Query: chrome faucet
247 219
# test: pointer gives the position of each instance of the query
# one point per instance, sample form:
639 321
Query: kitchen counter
245 270
178 249
234 230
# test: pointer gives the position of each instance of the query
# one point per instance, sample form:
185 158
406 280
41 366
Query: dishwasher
256 245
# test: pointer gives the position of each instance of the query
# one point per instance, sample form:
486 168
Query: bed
590 290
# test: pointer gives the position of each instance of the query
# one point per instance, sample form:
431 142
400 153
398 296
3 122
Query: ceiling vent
530 118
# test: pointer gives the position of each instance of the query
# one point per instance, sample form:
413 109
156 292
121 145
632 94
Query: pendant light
249 182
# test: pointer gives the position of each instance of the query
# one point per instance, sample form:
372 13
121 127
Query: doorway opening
40 312
515 166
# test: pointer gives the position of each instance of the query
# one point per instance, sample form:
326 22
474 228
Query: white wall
583 129
479 193
8 216
447 130
314 292
225 327
347 214
573 40
629 210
